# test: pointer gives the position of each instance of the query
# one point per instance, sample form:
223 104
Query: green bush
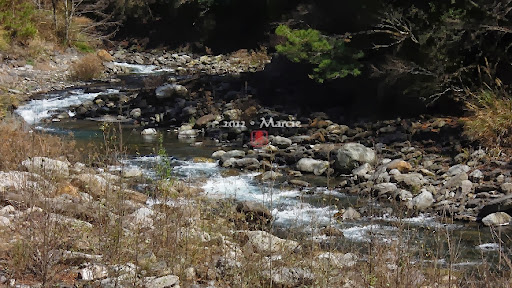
16 18
330 56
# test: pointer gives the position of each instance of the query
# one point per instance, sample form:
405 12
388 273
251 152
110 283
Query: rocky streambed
315 179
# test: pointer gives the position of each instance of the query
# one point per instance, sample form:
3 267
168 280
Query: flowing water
303 211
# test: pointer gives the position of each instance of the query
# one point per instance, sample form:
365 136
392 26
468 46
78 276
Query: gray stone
336 259
351 214
410 180
351 155
149 132
497 219
204 120
458 169
218 154
171 90
362 171
265 243
385 188
506 188
92 272
291 277
136 113
44 165
232 114
281 142
132 172
169 281
246 162
270 175
318 167
423 201
476 175
232 154
456 181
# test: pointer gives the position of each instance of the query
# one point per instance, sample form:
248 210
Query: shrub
17 144
491 123
329 54
16 18
87 68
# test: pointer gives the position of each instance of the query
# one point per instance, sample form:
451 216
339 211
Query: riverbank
417 165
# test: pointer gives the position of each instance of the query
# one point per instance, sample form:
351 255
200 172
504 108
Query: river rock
270 175
351 155
254 212
149 132
247 162
476 175
104 55
351 214
281 142
400 165
218 154
171 90
136 113
204 120
336 259
132 172
290 277
497 219
362 171
92 272
265 243
232 154
192 133
458 169
385 189
311 165
300 183
232 114
44 165
506 188
331 231
410 180
423 201
169 281
456 181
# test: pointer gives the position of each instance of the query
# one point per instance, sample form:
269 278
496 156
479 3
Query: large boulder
47 166
265 243
423 201
351 155
497 219
318 167
171 90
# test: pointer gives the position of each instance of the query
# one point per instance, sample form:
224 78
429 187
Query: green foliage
16 18
330 56
84 47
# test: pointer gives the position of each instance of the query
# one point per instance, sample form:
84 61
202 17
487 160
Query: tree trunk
54 8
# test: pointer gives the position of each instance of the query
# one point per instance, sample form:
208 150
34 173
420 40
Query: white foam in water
142 69
364 233
36 110
304 214
196 169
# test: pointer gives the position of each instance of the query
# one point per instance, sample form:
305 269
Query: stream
303 211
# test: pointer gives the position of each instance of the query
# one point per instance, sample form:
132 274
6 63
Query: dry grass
87 68
491 123
18 144
253 57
